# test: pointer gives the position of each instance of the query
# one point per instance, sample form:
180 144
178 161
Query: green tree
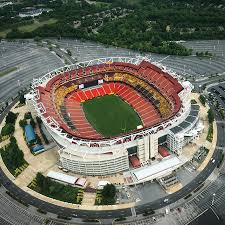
210 116
37 39
11 118
40 179
8 129
109 191
202 99
32 123
22 99
222 113
23 123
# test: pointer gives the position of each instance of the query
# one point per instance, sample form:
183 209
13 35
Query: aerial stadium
117 115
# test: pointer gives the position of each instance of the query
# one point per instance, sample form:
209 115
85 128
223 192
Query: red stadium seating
168 86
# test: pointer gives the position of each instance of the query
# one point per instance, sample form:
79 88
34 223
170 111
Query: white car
166 200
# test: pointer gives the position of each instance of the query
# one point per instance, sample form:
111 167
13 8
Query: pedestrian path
89 198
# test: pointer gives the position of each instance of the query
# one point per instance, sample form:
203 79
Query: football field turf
110 115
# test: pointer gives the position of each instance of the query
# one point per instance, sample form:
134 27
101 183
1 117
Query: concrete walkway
89 199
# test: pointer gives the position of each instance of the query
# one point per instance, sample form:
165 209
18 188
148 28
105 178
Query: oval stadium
117 114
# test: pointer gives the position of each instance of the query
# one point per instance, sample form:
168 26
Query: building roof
103 183
81 182
184 124
188 121
62 177
157 170
134 161
195 107
176 129
29 133
163 151
38 148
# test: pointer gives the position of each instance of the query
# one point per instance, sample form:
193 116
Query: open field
4 33
30 27
110 115
35 25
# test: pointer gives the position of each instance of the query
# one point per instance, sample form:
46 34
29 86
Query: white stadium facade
173 123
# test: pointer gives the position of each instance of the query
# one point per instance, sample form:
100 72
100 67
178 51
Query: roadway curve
109 214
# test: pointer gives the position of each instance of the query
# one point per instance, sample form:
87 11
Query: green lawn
35 25
56 190
110 115
4 33
29 27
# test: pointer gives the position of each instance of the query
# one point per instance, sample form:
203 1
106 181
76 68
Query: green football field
110 115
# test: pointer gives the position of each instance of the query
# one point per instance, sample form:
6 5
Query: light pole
213 198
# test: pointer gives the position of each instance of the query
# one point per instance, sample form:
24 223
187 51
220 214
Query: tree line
150 25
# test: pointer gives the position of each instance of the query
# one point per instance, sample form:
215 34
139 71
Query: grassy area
35 25
4 33
13 158
7 71
110 115
102 4
210 133
29 27
55 190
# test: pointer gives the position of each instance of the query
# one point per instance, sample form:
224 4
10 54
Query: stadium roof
62 177
163 151
190 119
134 161
158 169
29 133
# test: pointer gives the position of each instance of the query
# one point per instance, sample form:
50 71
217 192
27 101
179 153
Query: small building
3 4
38 149
102 183
81 182
157 170
63 178
33 12
29 133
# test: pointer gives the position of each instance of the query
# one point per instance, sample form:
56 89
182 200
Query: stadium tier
96 132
